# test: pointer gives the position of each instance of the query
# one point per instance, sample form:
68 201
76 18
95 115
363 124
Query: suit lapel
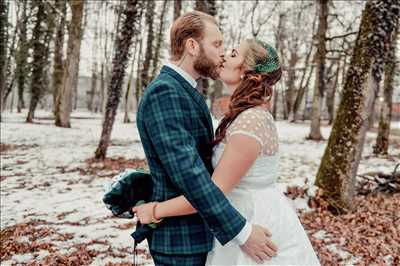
194 93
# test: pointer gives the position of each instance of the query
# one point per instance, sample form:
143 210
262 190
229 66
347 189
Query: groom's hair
189 25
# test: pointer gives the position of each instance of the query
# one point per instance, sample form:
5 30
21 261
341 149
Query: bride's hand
145 213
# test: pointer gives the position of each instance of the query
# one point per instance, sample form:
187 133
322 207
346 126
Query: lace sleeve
258 124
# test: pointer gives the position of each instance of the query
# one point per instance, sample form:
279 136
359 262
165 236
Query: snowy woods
73 71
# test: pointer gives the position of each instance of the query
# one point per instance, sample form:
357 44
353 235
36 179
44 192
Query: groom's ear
192 47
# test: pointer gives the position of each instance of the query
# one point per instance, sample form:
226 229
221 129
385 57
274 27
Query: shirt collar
183 73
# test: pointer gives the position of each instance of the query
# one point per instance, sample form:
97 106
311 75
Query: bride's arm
239 154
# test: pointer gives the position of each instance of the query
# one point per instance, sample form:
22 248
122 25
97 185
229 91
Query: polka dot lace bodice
259 124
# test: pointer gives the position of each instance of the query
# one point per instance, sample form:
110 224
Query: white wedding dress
258 199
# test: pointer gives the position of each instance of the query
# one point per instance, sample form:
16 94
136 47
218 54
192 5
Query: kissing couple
215 199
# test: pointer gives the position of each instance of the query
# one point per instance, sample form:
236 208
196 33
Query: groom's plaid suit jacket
175 128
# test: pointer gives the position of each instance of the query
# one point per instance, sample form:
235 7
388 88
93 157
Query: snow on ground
41 180
300 158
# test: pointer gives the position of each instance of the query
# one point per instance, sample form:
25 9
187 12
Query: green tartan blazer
176 129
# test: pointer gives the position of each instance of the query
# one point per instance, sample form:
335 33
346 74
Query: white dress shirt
183 73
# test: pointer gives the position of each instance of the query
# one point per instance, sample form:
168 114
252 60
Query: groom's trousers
178 260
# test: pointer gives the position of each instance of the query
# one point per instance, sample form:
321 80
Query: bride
245 160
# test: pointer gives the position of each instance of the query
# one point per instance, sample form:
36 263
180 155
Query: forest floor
51 191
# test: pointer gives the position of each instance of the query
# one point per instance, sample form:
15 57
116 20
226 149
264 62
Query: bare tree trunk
315 130
138 76
49 38
94 80
275 106
260 19
371 118
343 71
103 68
70 78
382 139
128 87
284 106
177 8
58 67
280 46
330 93
160 40
305 111
40 53
100 77
104 75
129 27
108 52
12 100
9 78
337 173
75 93
107 80
206 6
91 94
303 91
21 70
290 82
303 86
150 6
102 88
3 50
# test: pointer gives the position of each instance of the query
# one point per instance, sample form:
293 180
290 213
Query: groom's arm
166 127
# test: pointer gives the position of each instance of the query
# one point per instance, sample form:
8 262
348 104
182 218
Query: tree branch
340 36
49 4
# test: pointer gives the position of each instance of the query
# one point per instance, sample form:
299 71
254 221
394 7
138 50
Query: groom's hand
259 245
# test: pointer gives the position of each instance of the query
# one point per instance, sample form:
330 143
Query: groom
176 129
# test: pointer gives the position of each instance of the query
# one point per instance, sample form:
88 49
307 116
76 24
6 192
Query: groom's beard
205 66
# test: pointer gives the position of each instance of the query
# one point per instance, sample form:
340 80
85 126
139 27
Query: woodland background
72 72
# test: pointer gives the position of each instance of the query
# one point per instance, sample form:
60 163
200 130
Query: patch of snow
42 180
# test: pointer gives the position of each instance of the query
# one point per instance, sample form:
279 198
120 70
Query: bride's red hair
254 89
